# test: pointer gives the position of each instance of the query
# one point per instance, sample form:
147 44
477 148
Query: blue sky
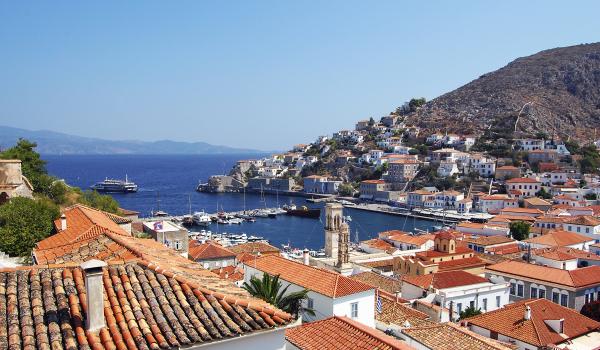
258 74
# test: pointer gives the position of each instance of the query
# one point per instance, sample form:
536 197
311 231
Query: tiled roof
487 240
522 210
378 243
559 238
82 223
583 220
409 239
396 312
210 250
554 253
101 247
536 201
379 263
145 307
504 249
459 250
577 278
230 273
448 336
510 321
459 264
442 280
376 280
253 248
521 180
321 281
338 333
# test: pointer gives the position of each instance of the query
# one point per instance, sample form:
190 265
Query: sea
168 183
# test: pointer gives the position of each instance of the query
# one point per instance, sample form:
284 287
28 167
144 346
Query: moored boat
313 213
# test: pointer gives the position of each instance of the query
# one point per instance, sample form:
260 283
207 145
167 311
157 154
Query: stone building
12 182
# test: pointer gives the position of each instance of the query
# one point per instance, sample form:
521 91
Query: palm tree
470 312
269 289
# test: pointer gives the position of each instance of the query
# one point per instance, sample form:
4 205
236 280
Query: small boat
115 186
187 220
303 211
201 218
160 213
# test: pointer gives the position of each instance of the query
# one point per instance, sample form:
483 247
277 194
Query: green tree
346 190
592 310
544 194
99 201
32 165
415 103
24 222
519 230
591 196
269 289
371 121
469 312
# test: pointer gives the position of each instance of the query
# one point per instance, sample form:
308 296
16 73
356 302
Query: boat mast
190 203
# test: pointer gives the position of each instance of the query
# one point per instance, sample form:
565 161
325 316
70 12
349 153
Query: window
472 304
310 303
555 297
513 287
541 292
497 301
459 307
354 310
564 299
520 289
534 292
484 302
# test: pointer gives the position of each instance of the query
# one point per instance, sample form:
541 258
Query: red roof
336 333
209 250
442 280
510 321
321 281
82 223
522 180
578 278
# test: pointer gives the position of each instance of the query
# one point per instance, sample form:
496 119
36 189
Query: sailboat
158 212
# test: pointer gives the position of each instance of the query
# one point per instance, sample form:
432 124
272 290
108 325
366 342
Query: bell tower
333 223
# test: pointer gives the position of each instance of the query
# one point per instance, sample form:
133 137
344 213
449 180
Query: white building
447 168
459 287
584 225
330 293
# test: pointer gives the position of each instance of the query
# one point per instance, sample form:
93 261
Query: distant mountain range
555 91
50 142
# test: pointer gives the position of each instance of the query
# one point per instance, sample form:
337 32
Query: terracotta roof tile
510 321
144 308
209 250
321 281
559 238
254 247
448 336
522 180
82 223
376 280
583 220
442 280
395 311
577 278
337 333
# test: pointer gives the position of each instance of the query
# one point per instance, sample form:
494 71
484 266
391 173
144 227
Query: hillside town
525 276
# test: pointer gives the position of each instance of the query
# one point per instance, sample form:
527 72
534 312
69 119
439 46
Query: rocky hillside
555 91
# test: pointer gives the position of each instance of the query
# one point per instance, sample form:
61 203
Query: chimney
305 257
94 286
63 222
527 313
